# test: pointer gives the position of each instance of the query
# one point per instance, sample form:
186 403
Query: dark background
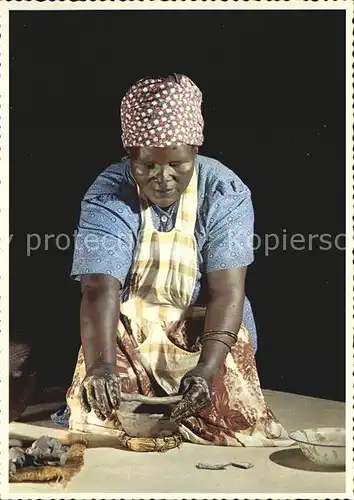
274 103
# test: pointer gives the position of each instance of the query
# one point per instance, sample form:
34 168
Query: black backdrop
274 104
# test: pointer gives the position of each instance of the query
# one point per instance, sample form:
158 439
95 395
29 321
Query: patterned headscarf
161 112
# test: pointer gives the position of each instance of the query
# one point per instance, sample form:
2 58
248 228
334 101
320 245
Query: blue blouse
110 222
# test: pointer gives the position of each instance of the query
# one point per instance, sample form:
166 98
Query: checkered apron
163 280
161 288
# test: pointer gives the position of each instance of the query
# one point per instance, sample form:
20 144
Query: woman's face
162 174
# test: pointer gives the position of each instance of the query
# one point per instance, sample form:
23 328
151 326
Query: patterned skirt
238 415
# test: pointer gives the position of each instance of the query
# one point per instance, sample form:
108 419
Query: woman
162 231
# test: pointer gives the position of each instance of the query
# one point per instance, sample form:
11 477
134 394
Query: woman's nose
163 174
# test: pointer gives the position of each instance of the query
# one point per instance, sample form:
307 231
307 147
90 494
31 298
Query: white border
4 240
5 7
349 251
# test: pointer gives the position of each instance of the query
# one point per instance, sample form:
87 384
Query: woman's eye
175 164
149 166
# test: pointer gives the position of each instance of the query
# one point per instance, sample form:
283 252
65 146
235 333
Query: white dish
324 446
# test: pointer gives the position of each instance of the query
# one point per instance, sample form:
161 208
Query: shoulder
227 216
114 185
113 181
216 181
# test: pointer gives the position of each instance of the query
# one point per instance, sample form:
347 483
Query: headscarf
161 112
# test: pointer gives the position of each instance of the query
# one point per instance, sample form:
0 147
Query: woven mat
58 474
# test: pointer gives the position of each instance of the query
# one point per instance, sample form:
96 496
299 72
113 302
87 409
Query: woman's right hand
100 390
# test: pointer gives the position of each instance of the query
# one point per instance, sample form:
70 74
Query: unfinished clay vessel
144 416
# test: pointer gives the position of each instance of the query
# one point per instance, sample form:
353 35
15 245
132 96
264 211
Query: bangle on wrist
217 333
216 340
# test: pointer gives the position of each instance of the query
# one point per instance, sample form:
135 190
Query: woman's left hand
196 389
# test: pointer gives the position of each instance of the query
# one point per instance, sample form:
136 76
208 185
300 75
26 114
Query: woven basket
54 474
151 444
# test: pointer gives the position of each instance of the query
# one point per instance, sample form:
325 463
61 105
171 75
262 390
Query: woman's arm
226 255
224 313
100 389
99 316
104 248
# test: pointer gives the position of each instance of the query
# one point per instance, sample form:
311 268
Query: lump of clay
48 451
44 451
17 458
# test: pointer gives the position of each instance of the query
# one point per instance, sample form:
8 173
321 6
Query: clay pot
147 417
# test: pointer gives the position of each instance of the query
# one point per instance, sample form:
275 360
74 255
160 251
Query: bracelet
229 341
227 332
217 340
233 335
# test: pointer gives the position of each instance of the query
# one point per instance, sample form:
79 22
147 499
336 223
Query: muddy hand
100 391
196 395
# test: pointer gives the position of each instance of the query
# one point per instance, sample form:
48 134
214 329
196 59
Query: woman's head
162 174
162 127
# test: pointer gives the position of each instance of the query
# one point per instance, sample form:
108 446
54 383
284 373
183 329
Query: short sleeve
105 239
229 227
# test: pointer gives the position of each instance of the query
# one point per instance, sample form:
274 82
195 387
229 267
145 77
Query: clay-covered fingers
103 404
83 399
196 396
113 388
190 405
88 398
100 394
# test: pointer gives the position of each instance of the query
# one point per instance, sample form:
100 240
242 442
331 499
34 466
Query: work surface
113 471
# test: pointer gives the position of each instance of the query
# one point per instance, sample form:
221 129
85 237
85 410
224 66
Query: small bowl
323 446
144 420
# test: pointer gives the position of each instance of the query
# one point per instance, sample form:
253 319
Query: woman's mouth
163 193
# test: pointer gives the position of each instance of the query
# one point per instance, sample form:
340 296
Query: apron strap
187 210
145 212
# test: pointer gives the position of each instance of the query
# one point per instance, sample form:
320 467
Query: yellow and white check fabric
163 281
